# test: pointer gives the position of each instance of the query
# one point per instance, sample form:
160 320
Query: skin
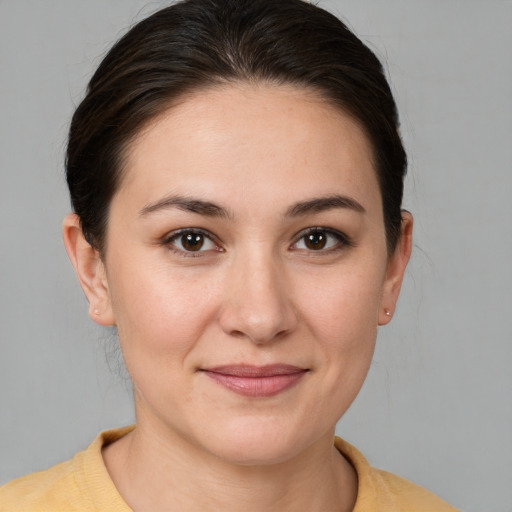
254 294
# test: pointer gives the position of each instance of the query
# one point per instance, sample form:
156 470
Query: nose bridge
258 304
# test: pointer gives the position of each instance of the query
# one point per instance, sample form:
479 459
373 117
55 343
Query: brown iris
316 240
192 241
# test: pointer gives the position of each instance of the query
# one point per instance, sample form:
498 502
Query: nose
257 304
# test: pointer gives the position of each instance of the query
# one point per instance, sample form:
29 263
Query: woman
236 176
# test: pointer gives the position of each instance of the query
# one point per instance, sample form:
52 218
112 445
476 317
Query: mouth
256 381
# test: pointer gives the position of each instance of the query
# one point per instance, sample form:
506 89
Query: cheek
342 316
159 315
343 306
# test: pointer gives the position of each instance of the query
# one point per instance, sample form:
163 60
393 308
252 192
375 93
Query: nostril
257 306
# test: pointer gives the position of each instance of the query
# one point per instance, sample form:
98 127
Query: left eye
192 241
319 240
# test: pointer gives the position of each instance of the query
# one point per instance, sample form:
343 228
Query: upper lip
248 371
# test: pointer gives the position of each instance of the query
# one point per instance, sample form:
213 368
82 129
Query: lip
256 381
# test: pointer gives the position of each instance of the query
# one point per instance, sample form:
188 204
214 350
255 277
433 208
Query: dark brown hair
194 44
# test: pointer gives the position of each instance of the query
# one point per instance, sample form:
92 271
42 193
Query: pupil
192 241
316 241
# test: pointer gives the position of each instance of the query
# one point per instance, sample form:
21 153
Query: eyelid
343 240
174 235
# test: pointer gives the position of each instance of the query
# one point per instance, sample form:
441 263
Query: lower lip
256 387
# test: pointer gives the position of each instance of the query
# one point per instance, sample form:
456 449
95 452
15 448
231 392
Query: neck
154 472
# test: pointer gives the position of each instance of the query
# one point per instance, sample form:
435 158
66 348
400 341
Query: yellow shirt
84 485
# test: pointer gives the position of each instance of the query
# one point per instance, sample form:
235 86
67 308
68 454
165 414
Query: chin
256 443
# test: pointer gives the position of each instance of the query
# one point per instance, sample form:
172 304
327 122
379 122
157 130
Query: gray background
437 405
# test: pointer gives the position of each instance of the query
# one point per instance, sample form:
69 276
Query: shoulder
81 484
409 497
383 491
42 491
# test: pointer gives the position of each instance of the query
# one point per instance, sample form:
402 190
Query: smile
256 381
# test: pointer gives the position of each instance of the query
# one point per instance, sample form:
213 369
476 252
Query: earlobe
396 270
89 269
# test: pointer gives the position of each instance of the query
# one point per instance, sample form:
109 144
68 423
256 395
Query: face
246 270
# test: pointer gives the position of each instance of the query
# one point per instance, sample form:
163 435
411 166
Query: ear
395 270
89 269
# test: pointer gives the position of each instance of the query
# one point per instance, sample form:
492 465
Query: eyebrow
187 204
210 209
321 204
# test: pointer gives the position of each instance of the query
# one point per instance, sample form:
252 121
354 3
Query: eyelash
175 235
342 241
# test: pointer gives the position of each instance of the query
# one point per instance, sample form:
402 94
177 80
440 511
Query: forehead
244 138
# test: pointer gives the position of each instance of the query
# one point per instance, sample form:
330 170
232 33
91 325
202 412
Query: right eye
192 241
